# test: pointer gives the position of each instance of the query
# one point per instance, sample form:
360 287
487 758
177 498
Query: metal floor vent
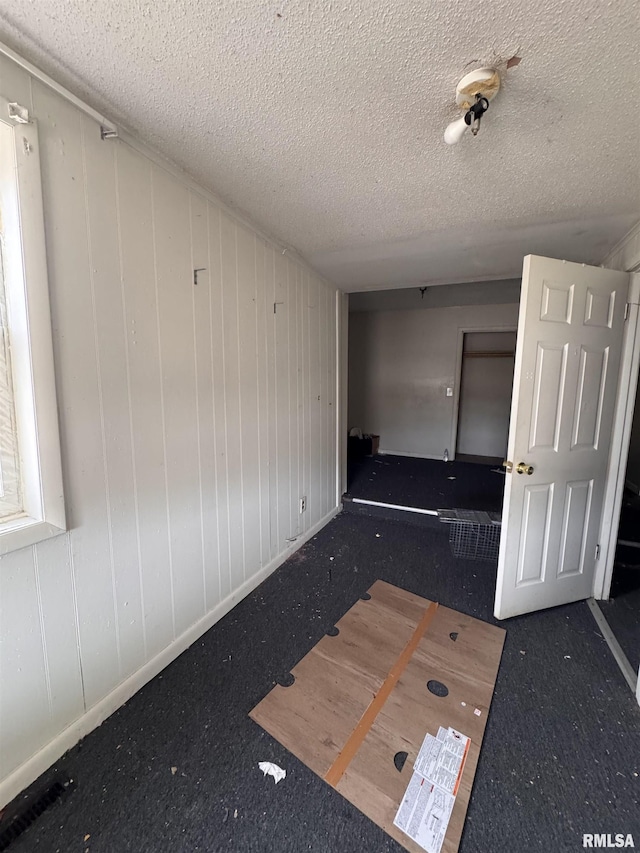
24 818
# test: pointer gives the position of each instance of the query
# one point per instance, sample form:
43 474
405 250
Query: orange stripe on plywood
337 769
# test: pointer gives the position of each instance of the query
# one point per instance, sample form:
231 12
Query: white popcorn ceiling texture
323 121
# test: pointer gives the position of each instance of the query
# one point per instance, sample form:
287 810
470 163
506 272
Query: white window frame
29 316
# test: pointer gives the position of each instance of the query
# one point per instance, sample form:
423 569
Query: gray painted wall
400 365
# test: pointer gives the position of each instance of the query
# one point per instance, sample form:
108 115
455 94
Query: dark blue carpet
561 754
426 483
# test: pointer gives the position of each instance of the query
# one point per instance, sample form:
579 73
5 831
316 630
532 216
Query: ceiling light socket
473 94
482 81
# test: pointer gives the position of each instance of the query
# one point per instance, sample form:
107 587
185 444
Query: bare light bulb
455 131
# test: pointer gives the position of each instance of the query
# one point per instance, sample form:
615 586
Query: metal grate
13 826
473 534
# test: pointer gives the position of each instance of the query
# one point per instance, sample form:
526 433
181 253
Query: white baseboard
614 646
385 452
28 772
415 509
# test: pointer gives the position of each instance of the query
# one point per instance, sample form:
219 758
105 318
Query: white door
564 390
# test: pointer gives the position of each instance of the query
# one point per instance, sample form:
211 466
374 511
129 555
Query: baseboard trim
395 506
621 659
26 773
384 452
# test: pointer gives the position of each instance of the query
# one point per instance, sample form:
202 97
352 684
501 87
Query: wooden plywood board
361 697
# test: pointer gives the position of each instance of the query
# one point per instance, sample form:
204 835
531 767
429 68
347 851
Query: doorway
557 304
404 367
484 407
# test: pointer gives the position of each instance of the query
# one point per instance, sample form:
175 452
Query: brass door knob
508 465
523 468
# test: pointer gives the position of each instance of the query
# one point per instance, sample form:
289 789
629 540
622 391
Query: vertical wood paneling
219 399
56 603
24 694
201 307
174 280
264 324
103 236
248 379
282 460
272 402
229 249
292 350
75 346
142 353
193 418
15 83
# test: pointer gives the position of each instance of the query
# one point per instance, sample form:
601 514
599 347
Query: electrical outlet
303 505
449 392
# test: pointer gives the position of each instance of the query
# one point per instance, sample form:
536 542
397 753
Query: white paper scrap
441 760
428 801
424 813
270 769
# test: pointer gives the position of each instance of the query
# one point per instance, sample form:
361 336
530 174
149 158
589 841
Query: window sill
25 531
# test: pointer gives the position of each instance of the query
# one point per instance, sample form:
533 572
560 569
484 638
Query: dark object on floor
559 758
426 483
358 448
24 811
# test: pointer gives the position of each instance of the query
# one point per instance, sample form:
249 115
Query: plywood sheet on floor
361 696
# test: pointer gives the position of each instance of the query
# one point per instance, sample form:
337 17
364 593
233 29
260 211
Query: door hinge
597 552
626 310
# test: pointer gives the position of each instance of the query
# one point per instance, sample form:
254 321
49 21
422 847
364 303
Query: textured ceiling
323 121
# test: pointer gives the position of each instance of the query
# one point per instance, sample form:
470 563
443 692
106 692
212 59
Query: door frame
342 391
620 438
457 381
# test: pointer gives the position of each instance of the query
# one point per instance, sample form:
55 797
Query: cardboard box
361 700
368 445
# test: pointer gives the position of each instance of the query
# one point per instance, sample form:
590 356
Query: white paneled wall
193 417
